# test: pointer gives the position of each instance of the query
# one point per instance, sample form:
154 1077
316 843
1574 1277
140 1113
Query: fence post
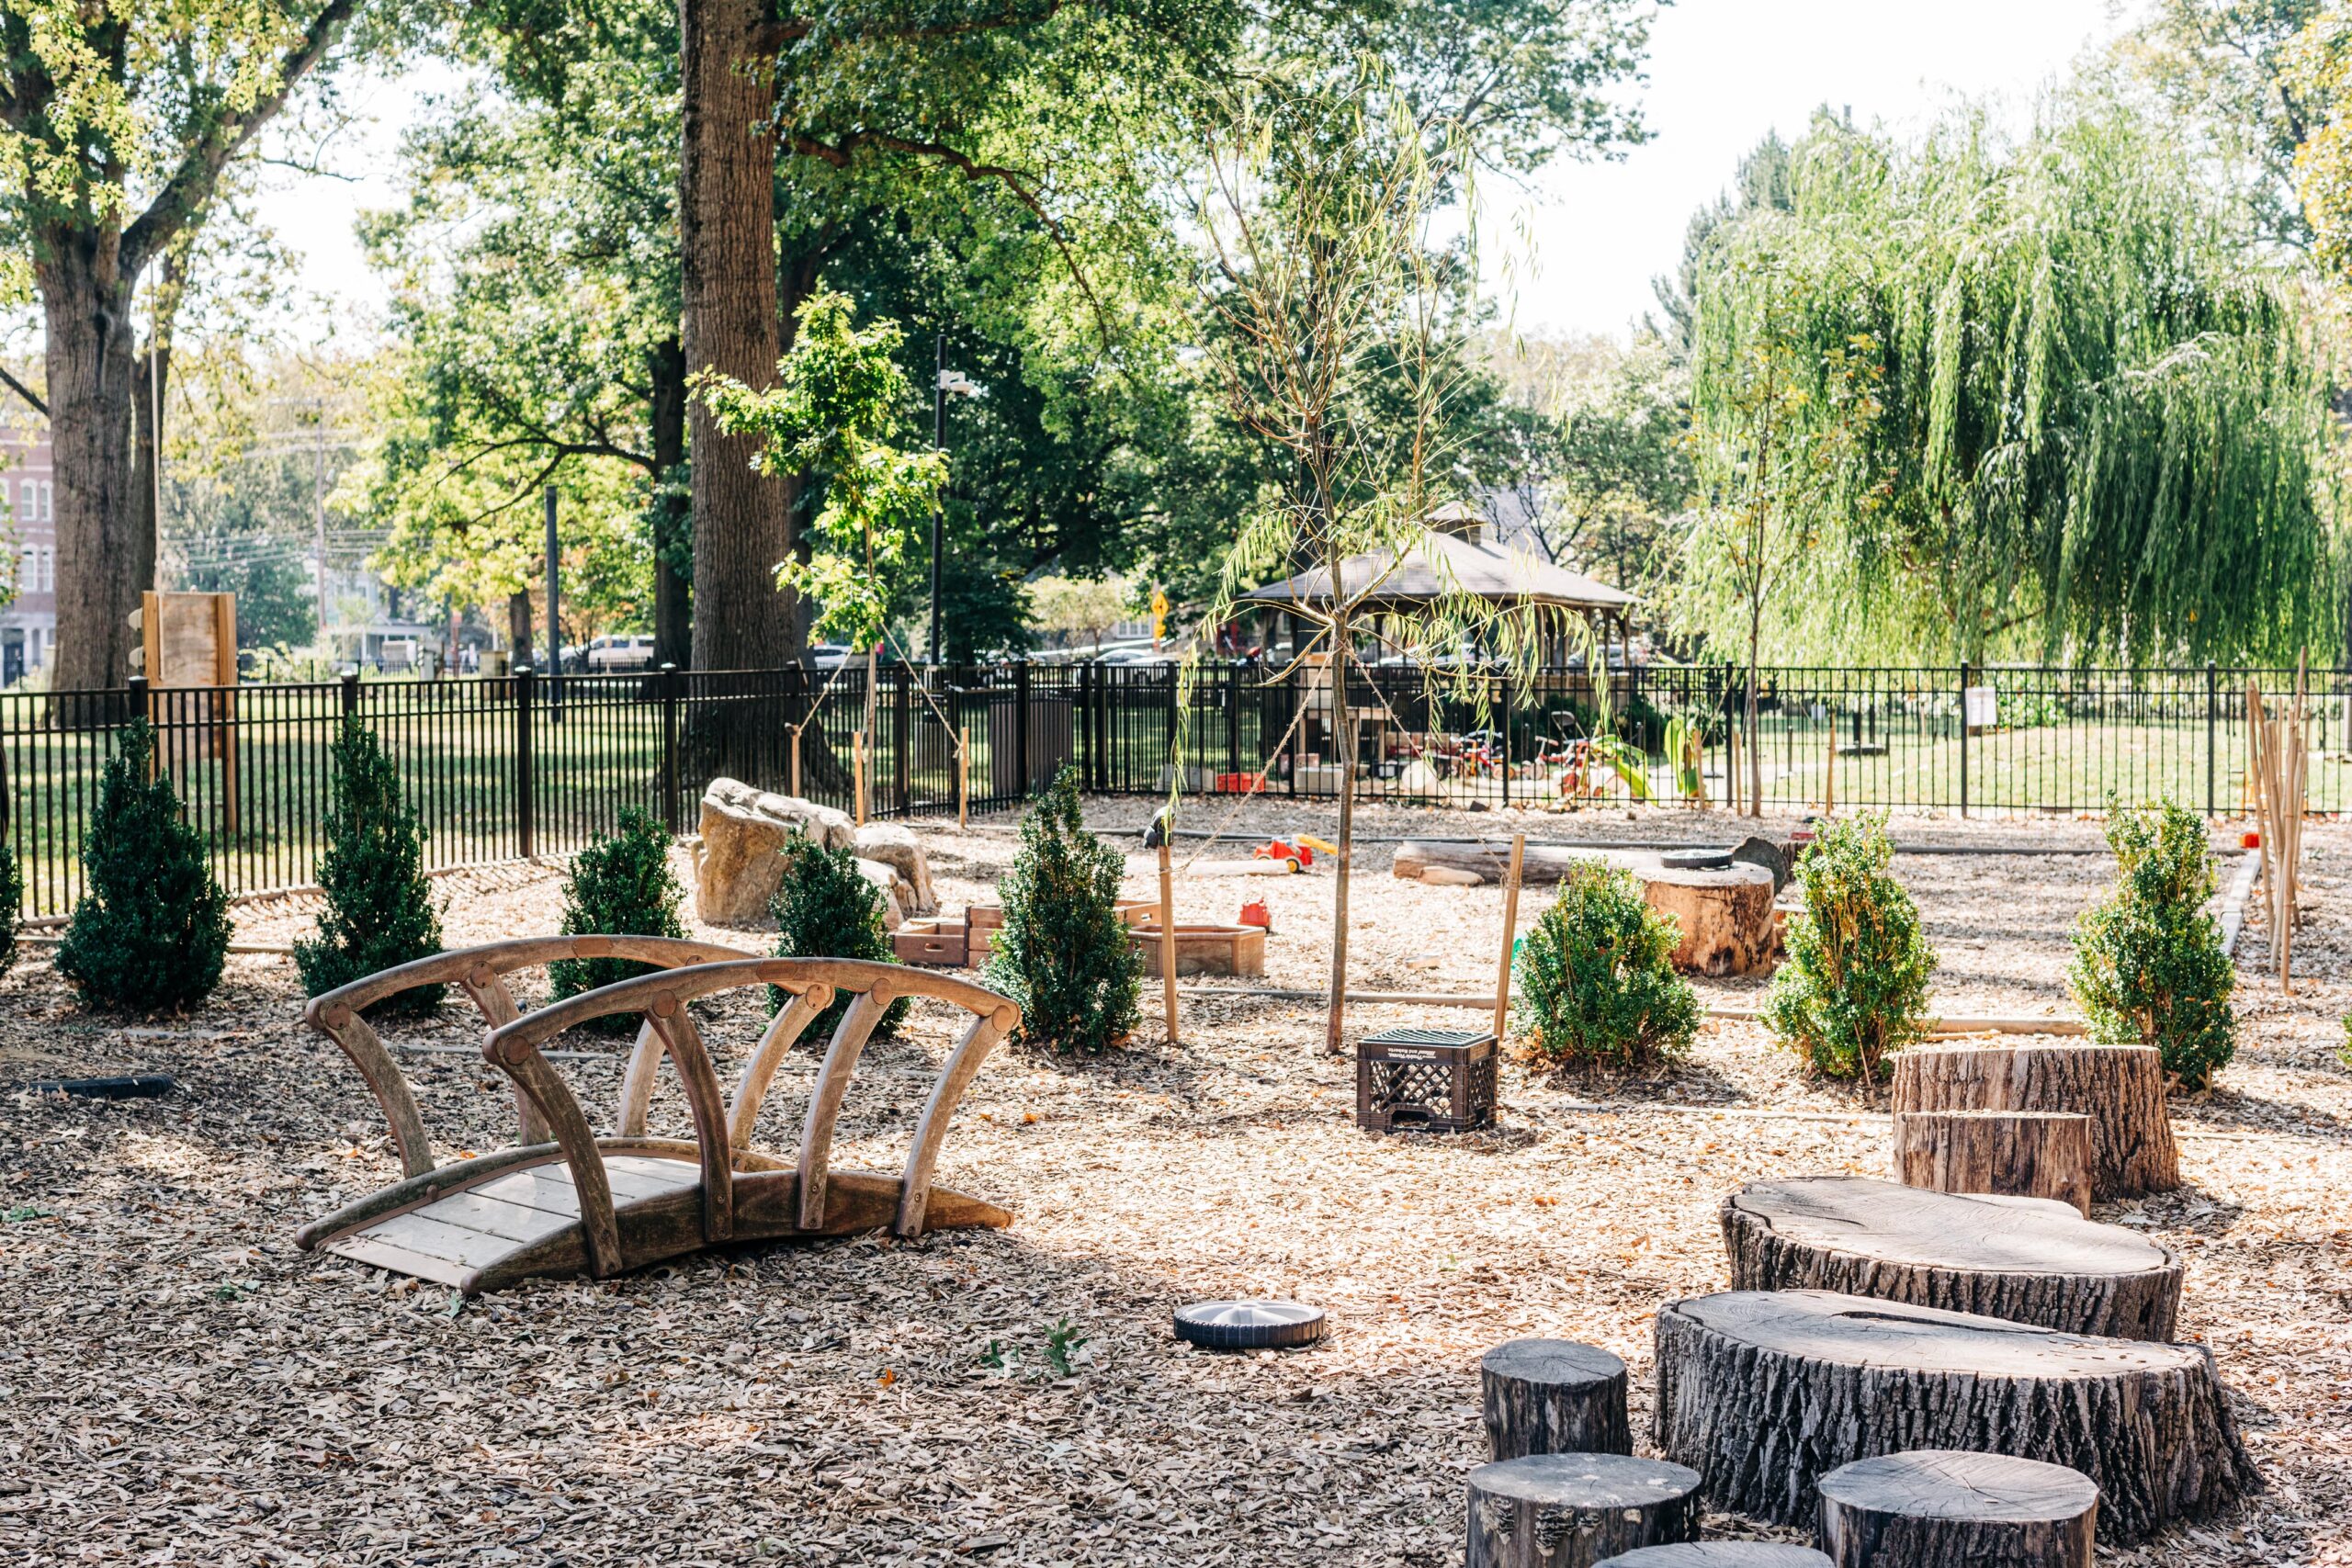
351 690
2212 712
1233 716
1964 738
669 684
526 836
1021 725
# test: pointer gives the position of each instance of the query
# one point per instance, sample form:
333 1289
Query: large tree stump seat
1719 1555
2027 1259
2020 1154
2120 1087
1554 1396
1947 1508
1572 1510
1724 916
1764 1392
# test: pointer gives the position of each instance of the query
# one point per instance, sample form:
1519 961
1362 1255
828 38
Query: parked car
608 654
831 655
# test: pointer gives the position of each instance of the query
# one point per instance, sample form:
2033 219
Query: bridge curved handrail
513 1047
479 972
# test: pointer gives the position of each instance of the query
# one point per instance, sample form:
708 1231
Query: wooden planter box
1207 948
934 945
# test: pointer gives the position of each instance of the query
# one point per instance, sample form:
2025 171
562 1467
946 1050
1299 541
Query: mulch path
183 1386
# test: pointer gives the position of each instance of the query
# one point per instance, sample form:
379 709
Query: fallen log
2025 1259
2120 1087
1764 1392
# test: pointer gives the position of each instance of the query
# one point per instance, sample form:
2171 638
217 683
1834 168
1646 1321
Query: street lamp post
945 382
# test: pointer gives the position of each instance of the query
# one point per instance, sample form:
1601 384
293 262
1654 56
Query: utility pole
939 443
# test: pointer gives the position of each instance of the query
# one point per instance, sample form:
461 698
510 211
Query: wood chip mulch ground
182 1385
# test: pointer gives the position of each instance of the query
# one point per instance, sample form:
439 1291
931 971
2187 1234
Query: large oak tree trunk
727 223
673 519
86 303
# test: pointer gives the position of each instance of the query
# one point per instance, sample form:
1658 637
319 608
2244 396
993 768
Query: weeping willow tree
2104 430
1336 319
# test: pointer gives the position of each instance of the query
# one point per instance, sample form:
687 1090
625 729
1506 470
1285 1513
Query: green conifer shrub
151 930
1594 985
2148 968
825 908
379 908
1854 991
620 884
12 898
1063 953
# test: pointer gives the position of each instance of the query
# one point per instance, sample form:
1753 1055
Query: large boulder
746 834
898 849
885 877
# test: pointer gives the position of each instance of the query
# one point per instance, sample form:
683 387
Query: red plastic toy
1254 913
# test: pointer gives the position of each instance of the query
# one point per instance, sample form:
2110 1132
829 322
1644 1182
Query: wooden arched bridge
567 1199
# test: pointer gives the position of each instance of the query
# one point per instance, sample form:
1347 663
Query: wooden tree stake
1510 932
1167 939
964 776
795 762
857 771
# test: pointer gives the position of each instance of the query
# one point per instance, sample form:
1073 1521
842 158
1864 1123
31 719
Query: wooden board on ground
2120 1087
1764 1392
2020 1154
2027 1259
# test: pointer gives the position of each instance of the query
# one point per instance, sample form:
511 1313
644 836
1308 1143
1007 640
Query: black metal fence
528 764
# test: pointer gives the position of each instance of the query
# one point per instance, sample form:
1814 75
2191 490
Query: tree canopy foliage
2104 426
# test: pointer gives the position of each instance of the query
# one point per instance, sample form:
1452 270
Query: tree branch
839 154
192 183
23 391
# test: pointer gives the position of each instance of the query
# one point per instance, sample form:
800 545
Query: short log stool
1572 1510
1719 1554
1435 1080
1945 1509
2012 1154
2120 1087
1554 1396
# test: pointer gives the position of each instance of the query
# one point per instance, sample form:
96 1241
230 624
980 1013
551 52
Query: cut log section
1573 1510
2026 1259
1719 1554
2020 1154
1724 916
1466 864
1764 1392
2120 1087
1554 1396
1943 1509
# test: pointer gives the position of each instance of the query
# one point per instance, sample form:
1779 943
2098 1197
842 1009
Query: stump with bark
2022 1154
1554 1396
2120 1087
2026 1259
1719 1554
1945 1509
1573 1510
1724 916
1762 1393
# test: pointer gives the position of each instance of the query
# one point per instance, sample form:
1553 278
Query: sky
1722 72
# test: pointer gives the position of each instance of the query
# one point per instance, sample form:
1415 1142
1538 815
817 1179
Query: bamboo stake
796 762
1829 785
964 776
1168 938
857 771
1510 930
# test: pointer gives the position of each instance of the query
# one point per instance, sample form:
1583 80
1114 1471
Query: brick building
28 622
